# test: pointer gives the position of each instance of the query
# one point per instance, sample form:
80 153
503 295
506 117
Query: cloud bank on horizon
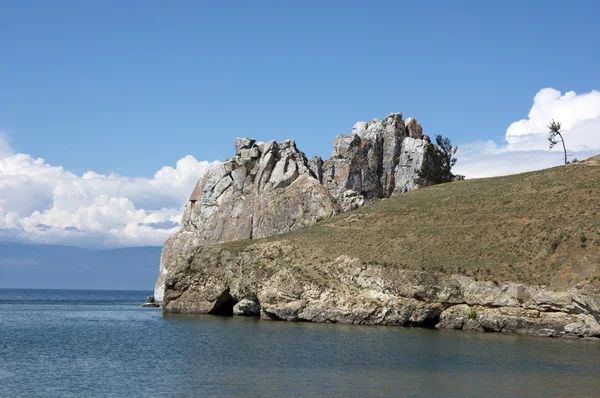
526 145
42 203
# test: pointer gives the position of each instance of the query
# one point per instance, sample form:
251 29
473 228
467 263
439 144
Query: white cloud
526 146
46 204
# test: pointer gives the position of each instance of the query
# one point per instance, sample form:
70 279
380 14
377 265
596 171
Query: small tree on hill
553 136
439 170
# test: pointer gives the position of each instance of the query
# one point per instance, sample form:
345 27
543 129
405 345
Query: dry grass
538 228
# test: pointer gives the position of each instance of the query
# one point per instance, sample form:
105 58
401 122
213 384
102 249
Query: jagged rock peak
367 161
266 189
239 199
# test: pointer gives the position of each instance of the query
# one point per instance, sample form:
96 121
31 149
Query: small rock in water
150 302
247 307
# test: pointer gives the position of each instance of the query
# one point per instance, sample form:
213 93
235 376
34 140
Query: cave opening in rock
224 304
428 320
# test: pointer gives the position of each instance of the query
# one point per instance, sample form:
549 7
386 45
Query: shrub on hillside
438 168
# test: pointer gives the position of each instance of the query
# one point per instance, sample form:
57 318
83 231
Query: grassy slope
540 227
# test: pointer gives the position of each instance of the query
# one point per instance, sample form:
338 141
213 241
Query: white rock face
410 162
257 194
370 159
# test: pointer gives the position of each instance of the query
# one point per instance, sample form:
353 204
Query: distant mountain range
69 267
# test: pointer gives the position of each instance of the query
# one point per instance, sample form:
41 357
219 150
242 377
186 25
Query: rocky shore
273 281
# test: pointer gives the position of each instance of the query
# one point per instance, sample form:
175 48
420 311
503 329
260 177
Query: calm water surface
101 343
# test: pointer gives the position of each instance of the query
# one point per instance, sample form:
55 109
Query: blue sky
129 87
132 86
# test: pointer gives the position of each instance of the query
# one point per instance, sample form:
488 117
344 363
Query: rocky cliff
271 188
277 280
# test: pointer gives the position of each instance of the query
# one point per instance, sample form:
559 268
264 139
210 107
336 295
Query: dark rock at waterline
150 302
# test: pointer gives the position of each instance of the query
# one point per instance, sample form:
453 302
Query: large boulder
243 143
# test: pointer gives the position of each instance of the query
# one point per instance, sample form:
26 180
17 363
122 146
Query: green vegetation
539 227
472 314
554 132
443 154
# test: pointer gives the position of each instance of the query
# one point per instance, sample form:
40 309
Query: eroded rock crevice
224 304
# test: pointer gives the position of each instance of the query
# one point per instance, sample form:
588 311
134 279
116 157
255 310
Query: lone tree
553 134
439 171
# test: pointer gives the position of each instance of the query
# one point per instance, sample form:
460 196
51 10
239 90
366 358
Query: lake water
101 343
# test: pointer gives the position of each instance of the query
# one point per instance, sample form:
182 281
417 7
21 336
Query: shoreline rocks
347 291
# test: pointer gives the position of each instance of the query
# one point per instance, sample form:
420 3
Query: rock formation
271 188
279 281
374 161
266 189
